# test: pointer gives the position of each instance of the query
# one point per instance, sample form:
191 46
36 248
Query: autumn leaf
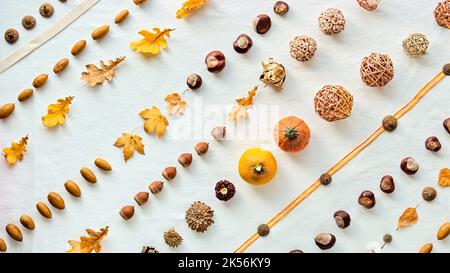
130 143
155 122
89 244
240 110
97 75
408 218
16 151
56 113
444 178
152 42
176 104
190 6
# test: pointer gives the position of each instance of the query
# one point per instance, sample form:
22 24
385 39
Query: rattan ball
302 48
377 70
331 21
442 14
415 45
333 102
369 5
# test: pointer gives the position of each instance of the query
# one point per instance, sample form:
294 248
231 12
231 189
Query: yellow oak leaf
190 6
130 143
97 75
444 178
409 217
16 151
176 104
154 122
240 110
152 42
56 113
89 244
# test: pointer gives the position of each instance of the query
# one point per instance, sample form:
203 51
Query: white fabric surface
99 115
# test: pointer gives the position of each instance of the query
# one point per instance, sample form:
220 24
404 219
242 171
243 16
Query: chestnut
342 219
432 144
387 184
296 251
325 179
281 8
446 69
262 23
242 44
325 240
409 165
389 123
429 193
194 81
367 199
215 61
446 125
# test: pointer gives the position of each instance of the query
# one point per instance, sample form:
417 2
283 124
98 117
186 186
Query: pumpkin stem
259 168
291 133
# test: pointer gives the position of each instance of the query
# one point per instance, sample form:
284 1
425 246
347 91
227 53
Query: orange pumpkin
292 134
257 166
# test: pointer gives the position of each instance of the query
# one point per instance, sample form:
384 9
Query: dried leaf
152 42
408 218
155 122
444 178
130 143
89 244
240 110
190 6
16 151
97 75
176 104
56 113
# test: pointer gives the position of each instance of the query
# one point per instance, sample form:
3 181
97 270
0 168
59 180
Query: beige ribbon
45 36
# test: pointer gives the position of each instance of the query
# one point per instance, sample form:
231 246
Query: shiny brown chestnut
215 61
387 184
262 23
446 125
367 199
409 165
433 144
342 219
325 240
242 44
194 81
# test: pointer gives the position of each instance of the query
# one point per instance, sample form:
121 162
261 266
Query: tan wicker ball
377 70
369 4
333 102
415 45
331 21
302 48
442 14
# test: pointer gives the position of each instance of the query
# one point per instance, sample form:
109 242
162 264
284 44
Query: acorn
169 173
127 212
141 198
27 222
185 159
201 148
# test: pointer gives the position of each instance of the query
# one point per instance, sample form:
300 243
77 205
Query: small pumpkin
292 134
257 166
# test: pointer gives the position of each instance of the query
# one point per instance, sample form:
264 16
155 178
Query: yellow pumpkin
257 166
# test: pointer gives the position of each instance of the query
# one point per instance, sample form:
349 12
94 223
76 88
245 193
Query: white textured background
99 115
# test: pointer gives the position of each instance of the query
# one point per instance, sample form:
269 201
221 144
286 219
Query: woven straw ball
302 48
333 102
442 14
369 5
415 45
331 21
377 70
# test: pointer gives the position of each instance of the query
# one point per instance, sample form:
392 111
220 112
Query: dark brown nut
429 193
367 199
156 187
446 69
432 143
63 1
169 173
242 44
127 212
11 35
446 125
141 198
201 148
409 165
389 123
296 251
215 61
262 23
325 179
28 22
263 230
342 219
281 8
194 81
325 240
46 10
185 159
387 184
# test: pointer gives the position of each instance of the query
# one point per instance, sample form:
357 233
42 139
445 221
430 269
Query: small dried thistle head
199 216
172 238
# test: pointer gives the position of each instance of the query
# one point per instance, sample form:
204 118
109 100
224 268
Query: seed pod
201 148
185 159
156 187
127 212
194 81
141 198
56 200
40 80
44 210
72 188
60 65
78 47
100 32
426 248
14 232
103 164
3 246
25 94
27 222
262 23
88 175
444 231
6 110
169 173
121 16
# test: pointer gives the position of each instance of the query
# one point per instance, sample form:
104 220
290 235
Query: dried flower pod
342 219
25 94
169 173
325 179
331 21
172 238
281 8
201 148
429 193
225 190
433 144
46 10
219 133
199 216
367 199
242 44
416 45
377 70
333 102
325 240
194 81
141 198
215 61
442 14
149 249
302 48
262 23
389 123
409 165
369 5
185 159
387 184
263 230
11 35
156 187
14 232
127 212
273 74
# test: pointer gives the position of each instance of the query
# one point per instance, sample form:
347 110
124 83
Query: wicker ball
377 70
331 21
302 48
442 14
369 4
333 102
415 45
